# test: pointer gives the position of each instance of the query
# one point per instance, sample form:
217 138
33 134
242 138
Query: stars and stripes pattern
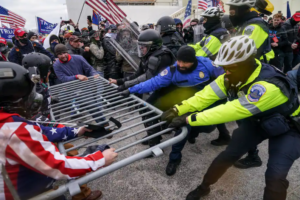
29 157
187 15
109 10
11 18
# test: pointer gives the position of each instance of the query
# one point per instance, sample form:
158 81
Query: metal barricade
93 101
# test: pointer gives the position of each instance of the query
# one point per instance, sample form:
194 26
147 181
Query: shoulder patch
201 75
256 92
249 30
207 40
163 73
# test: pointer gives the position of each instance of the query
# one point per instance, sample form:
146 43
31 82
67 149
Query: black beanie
186 54
60 48
53 37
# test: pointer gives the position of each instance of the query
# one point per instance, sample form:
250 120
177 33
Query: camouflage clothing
97 57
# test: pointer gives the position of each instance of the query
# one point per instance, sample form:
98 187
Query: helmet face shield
144 48
33 102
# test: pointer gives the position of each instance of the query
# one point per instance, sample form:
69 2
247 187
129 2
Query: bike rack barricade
83 102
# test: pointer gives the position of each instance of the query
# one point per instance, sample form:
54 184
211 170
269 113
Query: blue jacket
16 57
203 74
76 65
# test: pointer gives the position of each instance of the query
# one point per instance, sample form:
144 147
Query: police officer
176 83
215 34
262 99
155 57
170 37
23 47
249 23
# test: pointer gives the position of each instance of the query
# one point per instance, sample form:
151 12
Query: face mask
24 41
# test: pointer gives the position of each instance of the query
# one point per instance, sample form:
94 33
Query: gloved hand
125 93
169 115
178 121
54 99
121 88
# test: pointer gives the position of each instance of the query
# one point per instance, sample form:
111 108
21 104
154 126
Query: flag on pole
288 10
11 18
109 10
187 15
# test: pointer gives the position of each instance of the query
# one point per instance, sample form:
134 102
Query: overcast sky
49 10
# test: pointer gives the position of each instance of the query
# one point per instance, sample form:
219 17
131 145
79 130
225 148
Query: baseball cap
74 38
20 32
3 41
296 17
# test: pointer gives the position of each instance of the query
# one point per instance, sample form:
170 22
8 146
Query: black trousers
283 151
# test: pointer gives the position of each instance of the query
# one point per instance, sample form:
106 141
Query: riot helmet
148 41
17 91
165 24
38 66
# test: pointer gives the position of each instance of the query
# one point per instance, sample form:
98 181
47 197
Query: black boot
223 139
198 193
172 166
251 160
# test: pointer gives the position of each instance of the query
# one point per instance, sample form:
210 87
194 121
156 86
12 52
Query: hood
5 116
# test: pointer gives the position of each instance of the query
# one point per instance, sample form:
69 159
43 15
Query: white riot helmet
250 3
213 12
235 50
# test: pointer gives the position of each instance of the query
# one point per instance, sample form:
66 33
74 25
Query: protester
97 52
278 39
292 39
111 70
4 50
23 47
33 37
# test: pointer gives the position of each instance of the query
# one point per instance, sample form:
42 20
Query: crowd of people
241 67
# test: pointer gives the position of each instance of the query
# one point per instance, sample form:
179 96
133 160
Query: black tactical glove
125 93
178 121
169 115
121 88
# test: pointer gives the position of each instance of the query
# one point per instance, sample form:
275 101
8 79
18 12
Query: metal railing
93 101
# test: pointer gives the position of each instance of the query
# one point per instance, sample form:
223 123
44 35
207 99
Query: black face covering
24 41
188 70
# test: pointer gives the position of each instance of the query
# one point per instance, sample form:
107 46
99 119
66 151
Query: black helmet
17 91
166 24
148 41
226 23
37 64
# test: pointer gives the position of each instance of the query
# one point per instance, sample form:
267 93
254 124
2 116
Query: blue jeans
192 132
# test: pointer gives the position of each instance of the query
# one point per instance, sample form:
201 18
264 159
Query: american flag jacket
32 161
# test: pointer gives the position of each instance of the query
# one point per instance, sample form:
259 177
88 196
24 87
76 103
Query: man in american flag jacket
31 160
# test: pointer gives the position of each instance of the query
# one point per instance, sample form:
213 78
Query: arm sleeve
241 108
47 53
61 75
31 149
59 134
164 79
209 95
88 69
257 34
211 47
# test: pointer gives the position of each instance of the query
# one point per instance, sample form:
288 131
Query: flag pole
81 12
